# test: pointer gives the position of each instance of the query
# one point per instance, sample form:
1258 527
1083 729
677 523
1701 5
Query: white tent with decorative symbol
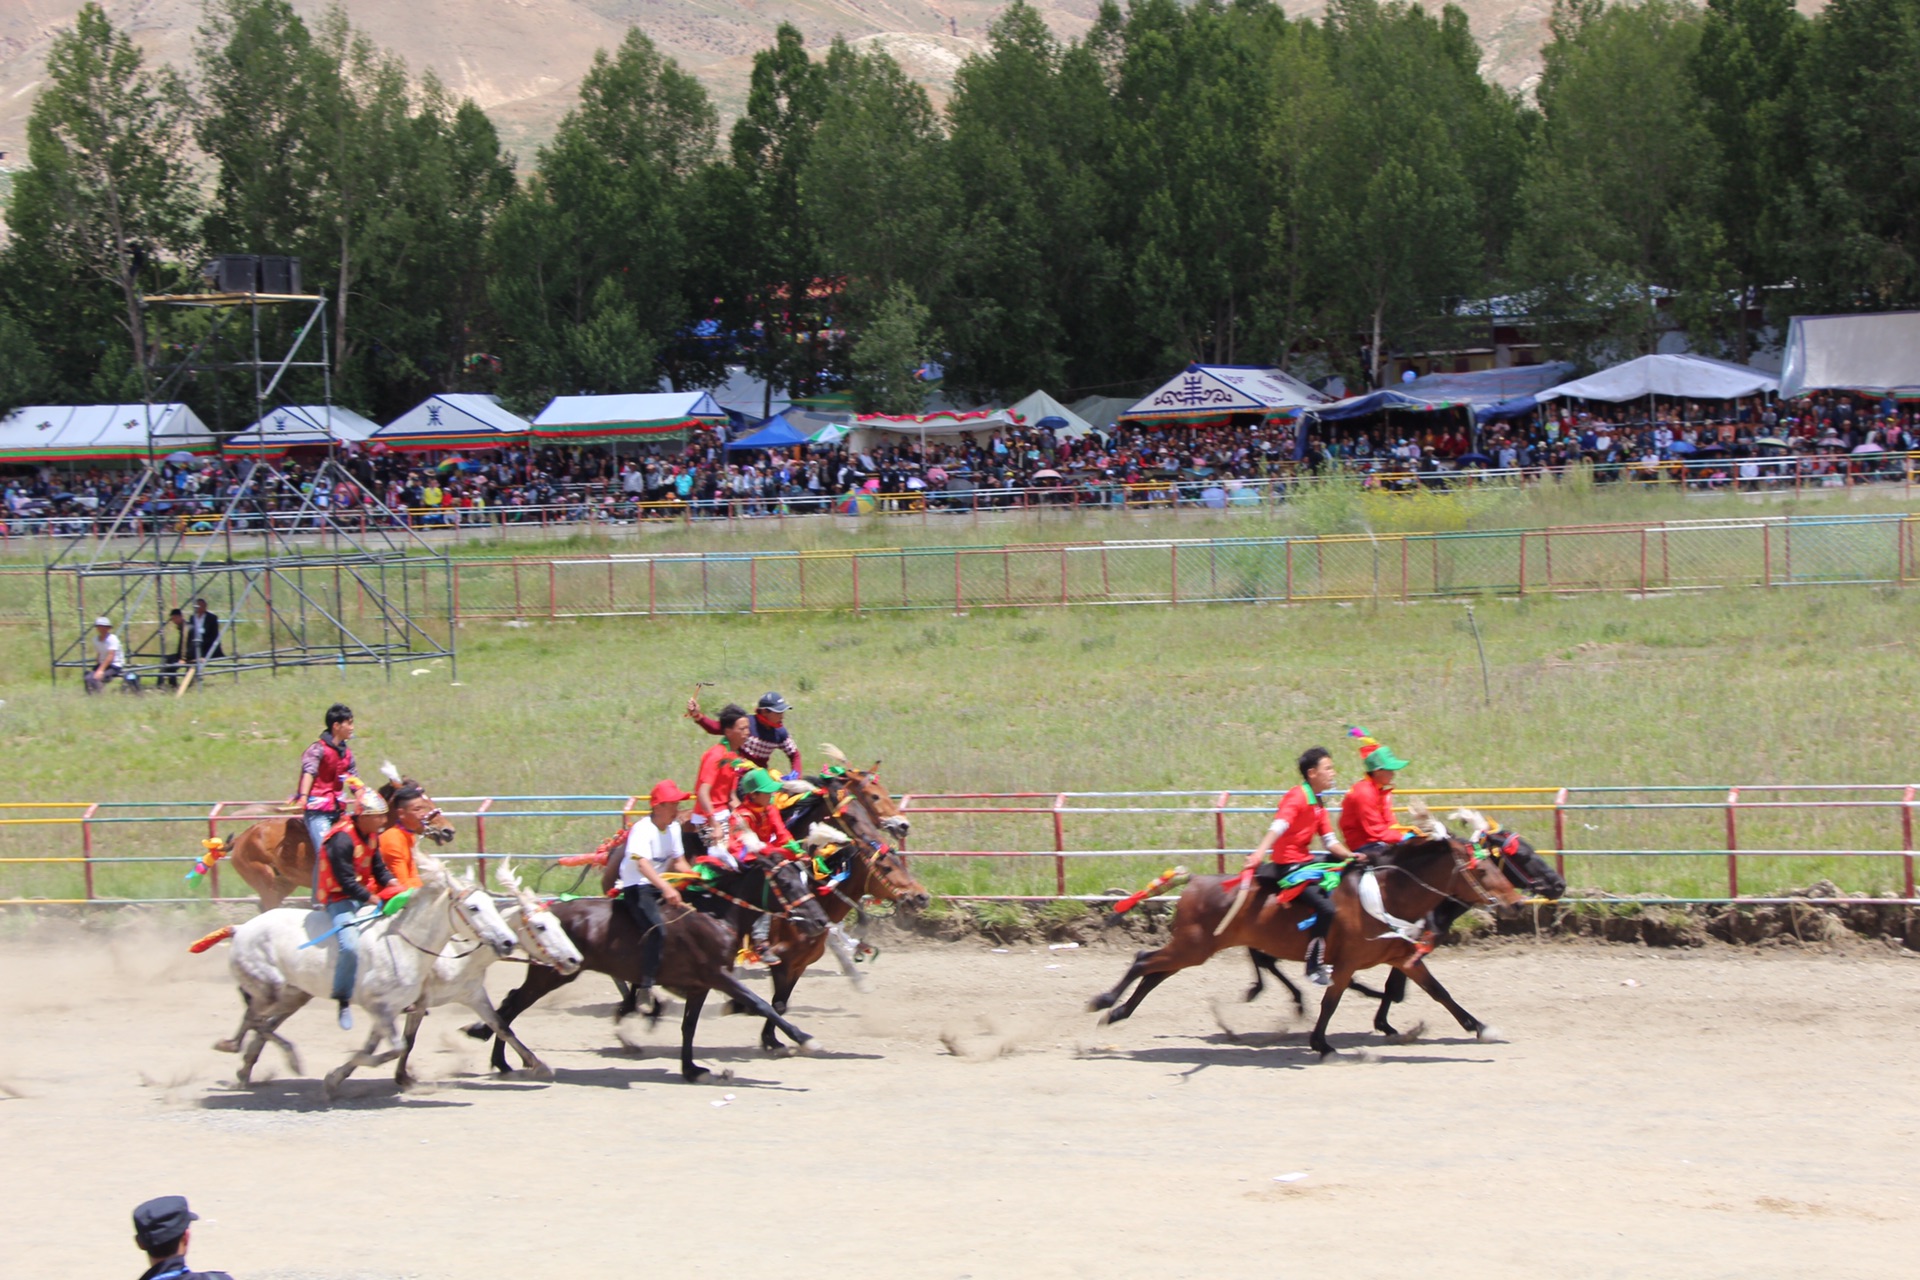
101 433
453 421
1208 395
301 426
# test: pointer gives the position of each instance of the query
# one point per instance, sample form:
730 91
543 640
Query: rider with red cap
653 848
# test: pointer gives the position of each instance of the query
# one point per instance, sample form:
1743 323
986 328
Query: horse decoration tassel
215 849
1159 884
212 940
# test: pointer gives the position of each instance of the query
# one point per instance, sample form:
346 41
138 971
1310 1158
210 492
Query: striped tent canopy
453 421
301 426
610 419
101 433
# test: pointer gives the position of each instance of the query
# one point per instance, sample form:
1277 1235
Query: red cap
667 792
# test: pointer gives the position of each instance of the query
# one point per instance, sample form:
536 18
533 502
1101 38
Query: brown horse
275 856
1412 879
872 795
700 948
873 869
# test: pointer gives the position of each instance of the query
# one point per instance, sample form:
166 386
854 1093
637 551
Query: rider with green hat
1366 812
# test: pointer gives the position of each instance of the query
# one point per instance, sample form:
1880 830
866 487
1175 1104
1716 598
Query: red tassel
212 940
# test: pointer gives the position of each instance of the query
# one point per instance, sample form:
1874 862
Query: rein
453 907
1486 899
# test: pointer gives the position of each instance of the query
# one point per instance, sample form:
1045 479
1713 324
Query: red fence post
1766 555
1560 832
87 849
1906 835
956 579
1733 844
1220 832
553 590
1643 560
1063 575
480 840
1059 848
1289 570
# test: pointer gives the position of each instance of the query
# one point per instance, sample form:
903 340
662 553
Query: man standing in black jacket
160 1227
203 637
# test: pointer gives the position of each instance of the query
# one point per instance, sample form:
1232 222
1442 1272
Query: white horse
460 976
278 975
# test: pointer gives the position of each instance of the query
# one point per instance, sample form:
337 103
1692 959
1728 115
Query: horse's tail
211 940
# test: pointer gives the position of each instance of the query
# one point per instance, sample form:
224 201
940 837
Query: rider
765 735
352 877
720 769
1366 812
410 806
653 848
324 770
757 825
1286 851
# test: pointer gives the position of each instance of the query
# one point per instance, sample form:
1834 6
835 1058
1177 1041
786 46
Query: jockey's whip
1239 900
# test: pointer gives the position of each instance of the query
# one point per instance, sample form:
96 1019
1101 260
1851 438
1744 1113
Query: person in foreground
160 1226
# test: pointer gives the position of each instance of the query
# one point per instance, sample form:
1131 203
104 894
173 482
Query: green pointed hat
1373 755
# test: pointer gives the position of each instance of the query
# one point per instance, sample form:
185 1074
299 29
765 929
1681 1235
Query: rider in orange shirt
410 807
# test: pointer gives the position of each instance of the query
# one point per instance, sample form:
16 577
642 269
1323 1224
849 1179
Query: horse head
474 914
886 874
872 795
538 929
1517 859
1477 881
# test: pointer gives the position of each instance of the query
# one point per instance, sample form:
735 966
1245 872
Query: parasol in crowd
936 474
180 458
1473 460
1679 448
1046 473
854 504
1774 442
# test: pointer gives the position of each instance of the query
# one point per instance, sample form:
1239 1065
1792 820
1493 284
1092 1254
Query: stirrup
1428 941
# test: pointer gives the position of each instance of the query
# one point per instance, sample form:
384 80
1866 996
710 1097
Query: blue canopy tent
1375 402
777 432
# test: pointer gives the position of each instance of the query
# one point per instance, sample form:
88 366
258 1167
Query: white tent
870 428
609 419
1040 406
453 421
1876 353
101 433
302 426
1683 376
1203 394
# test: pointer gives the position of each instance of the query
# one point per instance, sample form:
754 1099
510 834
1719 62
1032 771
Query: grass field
1729 687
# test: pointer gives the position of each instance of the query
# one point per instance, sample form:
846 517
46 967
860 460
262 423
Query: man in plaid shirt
766 734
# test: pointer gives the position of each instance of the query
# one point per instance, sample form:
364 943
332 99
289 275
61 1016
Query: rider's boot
1318 973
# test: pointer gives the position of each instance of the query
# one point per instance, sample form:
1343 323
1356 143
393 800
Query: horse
873 797
275 856
700 948
277 974
1517 860
871 868
1408 882
460 976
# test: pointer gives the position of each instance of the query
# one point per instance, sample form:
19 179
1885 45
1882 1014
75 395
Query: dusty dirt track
1708 1113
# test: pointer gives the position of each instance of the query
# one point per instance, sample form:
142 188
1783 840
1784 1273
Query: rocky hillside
522 59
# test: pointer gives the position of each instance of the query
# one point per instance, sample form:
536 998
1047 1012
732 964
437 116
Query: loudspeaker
279 274
233 273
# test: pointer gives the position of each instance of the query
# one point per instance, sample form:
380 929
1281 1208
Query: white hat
103 621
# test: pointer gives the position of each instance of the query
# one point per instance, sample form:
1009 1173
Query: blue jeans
346 967
318 824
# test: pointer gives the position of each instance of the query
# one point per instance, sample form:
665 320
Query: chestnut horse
700 947
1517 860
872 869
1412 880
275 856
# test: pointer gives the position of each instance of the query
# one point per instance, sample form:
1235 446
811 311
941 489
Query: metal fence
1042 845
1663 556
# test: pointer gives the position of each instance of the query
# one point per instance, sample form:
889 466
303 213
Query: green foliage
887 355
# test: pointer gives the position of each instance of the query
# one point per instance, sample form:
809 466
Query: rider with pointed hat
1366 813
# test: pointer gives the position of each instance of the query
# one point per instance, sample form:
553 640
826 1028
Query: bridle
455 909
1453 850
537 951
1505 856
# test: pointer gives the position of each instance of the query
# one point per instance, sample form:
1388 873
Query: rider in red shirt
1366 812
1285 853
720 770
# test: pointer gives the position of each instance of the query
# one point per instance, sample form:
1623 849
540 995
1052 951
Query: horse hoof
810 1047
540 1071
404 1083
1489 1036
479 1031
776 1050
226 1046
1102 1001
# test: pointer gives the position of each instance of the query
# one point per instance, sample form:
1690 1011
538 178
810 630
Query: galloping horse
873 797
1410 881
871 868
1517 860
275 856
700 947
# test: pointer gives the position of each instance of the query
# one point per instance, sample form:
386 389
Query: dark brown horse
867 867
1412 880
700 949
1517 860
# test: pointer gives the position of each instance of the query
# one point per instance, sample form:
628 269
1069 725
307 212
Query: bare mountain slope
522 59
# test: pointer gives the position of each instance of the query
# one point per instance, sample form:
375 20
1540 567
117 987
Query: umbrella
1046 473
833 433
1775 441
180 458
854 504
1473 460
1679 448
872 484
936 474
1053 422
1869 447
452 463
